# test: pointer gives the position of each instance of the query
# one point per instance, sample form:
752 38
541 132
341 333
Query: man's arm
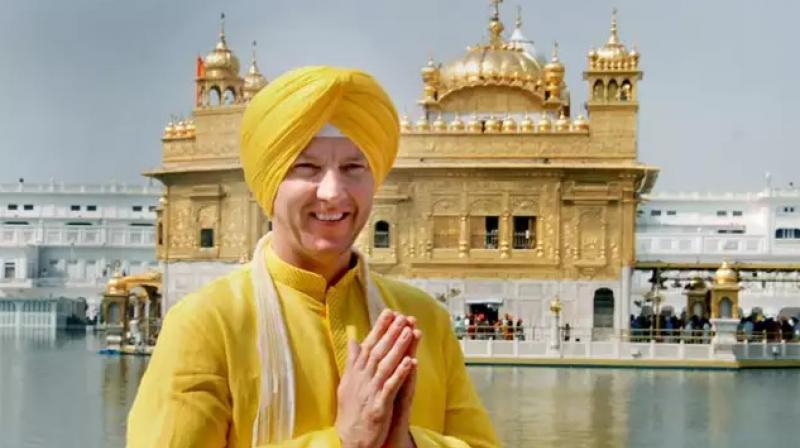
183 399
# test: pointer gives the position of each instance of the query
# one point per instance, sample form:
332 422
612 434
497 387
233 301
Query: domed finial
222 27
254 81
495 25
253 65
614 37
555 51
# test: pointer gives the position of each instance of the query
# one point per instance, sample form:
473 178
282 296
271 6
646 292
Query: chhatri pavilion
501 195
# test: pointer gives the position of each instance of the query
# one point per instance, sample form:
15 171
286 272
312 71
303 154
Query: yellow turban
284 116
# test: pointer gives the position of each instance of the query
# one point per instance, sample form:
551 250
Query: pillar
505 233
463 237
625 302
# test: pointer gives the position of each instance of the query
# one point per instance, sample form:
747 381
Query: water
59 392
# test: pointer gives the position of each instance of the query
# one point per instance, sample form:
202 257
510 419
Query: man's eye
305 166
353 167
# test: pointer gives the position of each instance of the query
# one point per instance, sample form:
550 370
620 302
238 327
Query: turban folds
284 116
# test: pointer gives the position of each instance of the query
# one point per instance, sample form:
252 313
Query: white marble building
759 227
60 240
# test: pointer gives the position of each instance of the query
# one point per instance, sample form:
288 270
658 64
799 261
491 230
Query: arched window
626 92
698 310
613 91
725 308
382 237
597 90
214 96
230 96
113 314
604 308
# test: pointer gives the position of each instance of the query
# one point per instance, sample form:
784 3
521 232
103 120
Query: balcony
523 240
95 236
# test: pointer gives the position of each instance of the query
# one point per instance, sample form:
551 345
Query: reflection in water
576 407
55 390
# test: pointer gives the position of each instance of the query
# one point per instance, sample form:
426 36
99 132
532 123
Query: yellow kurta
201 388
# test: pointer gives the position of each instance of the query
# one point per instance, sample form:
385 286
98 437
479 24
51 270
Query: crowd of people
756 327
695 329
669 328
481 326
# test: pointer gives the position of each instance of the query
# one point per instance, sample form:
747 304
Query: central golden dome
504 70
503 64
496 63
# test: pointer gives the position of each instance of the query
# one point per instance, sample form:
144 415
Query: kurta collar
307 282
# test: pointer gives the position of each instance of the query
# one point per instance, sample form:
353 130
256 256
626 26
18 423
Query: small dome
696 283
439 124
562 124
456 125
180 129
613 48
422 125
555 66
491 125
526 125
430 70
116 285
169 130
474 125
253 80
509 125
405 124
580 124
544 124
221 62
726 275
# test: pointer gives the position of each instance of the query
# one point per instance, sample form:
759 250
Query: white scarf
274 421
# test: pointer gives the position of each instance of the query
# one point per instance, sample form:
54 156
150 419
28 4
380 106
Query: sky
88 85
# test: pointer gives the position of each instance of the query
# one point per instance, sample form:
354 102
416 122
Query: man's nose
331 186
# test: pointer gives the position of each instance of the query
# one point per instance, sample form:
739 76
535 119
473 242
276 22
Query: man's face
324 200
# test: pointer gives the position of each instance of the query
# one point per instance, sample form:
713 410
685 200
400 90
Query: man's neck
331 268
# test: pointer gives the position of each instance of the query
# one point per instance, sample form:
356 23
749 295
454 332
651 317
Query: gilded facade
498 190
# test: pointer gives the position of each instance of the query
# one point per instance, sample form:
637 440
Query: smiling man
305 347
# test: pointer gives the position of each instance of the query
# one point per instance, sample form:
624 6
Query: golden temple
497 190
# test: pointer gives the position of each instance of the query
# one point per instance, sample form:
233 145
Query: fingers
407 390
406 393
412 349
386 343
353 350
381 325
392 385
389 363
